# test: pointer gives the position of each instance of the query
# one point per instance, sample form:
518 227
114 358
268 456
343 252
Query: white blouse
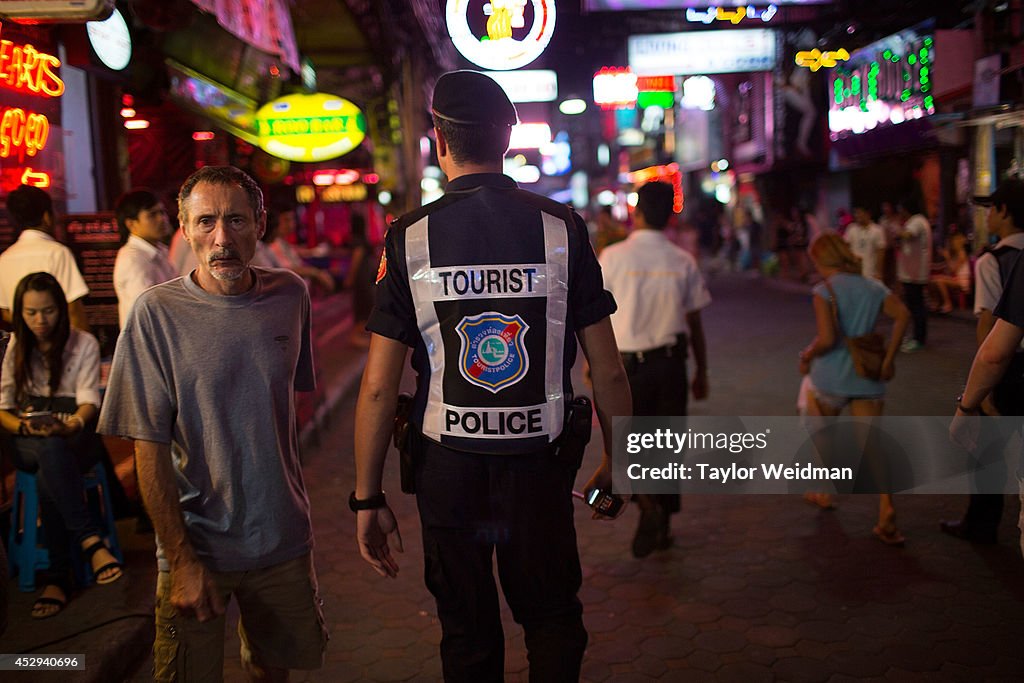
81 378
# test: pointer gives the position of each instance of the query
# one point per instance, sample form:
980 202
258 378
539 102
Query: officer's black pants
520 506
660 387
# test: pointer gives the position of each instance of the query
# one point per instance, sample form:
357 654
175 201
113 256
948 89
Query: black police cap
470 98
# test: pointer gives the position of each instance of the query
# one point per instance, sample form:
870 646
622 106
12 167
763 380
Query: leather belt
668 351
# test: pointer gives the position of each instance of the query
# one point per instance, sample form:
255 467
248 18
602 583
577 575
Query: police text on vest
487 281
494 422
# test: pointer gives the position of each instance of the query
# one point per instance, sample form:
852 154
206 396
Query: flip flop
46 602
891 537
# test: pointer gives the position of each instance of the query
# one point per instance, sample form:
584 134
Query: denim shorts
837 403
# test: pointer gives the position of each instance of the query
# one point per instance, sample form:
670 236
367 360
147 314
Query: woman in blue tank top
854 302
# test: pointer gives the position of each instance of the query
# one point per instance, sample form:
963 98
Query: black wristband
371 503
964 409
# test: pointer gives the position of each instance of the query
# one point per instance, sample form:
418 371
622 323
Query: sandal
891 536
821 500
87 553
43 602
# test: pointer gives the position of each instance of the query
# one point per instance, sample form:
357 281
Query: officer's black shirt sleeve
1011 304
394 315
589 301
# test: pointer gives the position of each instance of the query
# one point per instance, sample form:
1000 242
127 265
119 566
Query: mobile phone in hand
602 502
39 418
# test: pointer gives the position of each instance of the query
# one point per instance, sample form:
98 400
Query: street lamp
572 106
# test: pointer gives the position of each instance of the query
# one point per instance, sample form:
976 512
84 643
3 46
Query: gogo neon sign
26 70
489 34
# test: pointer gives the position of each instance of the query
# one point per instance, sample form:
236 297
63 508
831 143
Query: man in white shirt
866 240
36 250
660 293
143 260
181 255
913 268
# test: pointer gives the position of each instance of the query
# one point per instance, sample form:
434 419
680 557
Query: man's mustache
223 254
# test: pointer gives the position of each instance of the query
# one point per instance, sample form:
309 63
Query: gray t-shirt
214 376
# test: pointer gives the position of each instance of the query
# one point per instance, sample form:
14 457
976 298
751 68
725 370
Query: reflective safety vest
488 274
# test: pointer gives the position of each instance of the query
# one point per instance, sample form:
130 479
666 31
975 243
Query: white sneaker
911 346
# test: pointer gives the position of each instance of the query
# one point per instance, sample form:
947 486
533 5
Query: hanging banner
264 24
310 127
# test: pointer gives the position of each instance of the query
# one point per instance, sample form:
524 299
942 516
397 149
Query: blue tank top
860 301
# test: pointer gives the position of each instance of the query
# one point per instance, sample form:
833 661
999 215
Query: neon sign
26 70
668 173
734 16
816 59
23 130
498 48
22 67
885 83
310 127
35 178
615 88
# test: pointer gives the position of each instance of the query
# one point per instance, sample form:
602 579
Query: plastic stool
26 552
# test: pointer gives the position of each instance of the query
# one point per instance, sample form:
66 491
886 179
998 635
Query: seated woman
49 399
958 271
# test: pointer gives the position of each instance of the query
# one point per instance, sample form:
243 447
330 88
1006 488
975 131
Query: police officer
491 286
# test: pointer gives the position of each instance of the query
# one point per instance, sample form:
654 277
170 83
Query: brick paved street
756 588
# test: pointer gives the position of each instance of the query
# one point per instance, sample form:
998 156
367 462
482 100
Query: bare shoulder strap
834 306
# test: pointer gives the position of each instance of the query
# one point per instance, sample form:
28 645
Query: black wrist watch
964 409
371 503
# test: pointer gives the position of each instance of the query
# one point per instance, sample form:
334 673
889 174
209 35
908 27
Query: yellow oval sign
310 127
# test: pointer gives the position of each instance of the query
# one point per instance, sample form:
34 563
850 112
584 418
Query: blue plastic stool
27 555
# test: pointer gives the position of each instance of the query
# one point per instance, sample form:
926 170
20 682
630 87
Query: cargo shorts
281 624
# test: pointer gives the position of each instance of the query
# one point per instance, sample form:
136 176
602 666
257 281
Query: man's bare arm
612 396
192 587
375 413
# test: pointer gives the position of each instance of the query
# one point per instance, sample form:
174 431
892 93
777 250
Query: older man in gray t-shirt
204 379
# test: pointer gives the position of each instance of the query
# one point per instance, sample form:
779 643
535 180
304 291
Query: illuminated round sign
310 127
111 41
489 32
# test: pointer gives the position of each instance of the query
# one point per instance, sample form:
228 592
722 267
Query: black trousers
59 463
985 511
660 386
914 294
518 507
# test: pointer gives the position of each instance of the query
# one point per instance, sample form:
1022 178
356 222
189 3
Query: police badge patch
493 354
